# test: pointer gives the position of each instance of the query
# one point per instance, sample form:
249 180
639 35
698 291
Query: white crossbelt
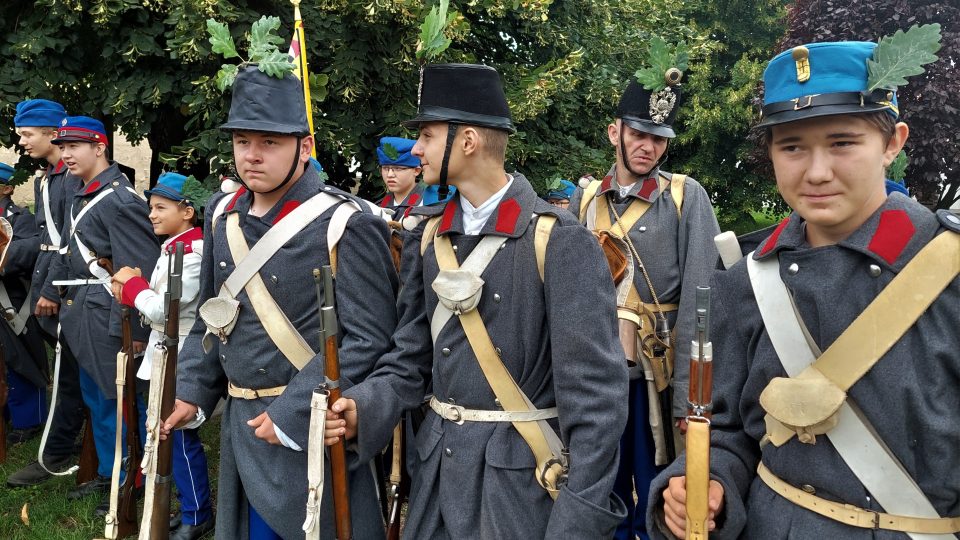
459 415
52 229
855 439
315 455
478 261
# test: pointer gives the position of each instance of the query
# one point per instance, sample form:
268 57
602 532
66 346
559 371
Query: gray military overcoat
61 185
911 396
558 339
273 478
118 229
678 253
24 353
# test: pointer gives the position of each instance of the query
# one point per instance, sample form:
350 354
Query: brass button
808 488
69 302
84 203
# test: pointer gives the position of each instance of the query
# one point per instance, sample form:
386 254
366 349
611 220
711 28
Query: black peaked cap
634 110
264 103
462 94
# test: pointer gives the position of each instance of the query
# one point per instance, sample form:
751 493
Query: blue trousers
637 469
259 530
26 403
190 475
103 415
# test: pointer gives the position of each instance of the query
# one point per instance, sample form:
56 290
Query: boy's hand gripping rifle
158 454
698 423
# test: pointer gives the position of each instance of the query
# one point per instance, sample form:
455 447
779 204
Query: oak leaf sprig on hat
662 57
433 40
264 50
194 191
902 55
555 185
391 151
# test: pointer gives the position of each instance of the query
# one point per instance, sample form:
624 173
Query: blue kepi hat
399 148
6 172
39 113
81 129
169 186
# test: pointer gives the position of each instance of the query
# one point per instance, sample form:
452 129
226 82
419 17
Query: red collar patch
386 201
447 220
91 187
893 234
287 207
60 166
188 238
771 241
649 185
507 216
605 184
413 199
236 196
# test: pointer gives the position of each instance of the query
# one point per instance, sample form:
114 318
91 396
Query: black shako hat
264 103
650 111
462 94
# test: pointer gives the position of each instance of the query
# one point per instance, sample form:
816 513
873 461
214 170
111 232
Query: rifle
87 469
157 517
698 423
331 384
399 481
126 518
4 394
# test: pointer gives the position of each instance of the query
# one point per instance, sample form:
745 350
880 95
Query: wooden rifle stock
698 424
127 521
160 517
399 488
89 461
4 396
338 456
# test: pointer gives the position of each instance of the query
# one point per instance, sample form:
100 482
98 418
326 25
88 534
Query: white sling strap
315 455
47 216
110 530
478 261
854 438
17 319
83 211
149 463
53 407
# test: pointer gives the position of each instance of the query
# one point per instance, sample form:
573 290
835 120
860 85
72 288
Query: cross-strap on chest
539 436
813 400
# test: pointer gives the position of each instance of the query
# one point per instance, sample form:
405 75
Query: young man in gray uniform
529 402
106 219
269 372
835 342
37 121
663 225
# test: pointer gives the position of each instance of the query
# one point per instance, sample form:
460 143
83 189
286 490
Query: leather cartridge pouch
458 290
220 314
616 260
807 407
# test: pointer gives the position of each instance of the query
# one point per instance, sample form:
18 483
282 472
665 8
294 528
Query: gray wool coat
24 353
117 228
61 185
476 480
679 255
273 478
910 396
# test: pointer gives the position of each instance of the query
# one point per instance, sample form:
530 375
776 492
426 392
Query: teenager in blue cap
106 219
863 443
399 169
173 214
560 193
36 122
20 335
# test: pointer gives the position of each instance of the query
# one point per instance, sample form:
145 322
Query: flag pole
302 67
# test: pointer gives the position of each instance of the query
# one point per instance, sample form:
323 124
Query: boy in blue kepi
836 385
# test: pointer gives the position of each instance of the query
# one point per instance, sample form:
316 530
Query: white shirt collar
475 218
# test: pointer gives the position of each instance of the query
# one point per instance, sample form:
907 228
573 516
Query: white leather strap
476 263
856 441
149 462
110 530
315 455
459 415
274 239
52 229
74 220
53 407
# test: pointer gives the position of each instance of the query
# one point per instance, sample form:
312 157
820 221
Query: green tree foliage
148 67
928 104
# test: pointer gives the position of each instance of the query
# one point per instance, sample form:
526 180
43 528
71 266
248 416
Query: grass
51 514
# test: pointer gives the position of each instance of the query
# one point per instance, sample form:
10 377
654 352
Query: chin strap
444 189
293 170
